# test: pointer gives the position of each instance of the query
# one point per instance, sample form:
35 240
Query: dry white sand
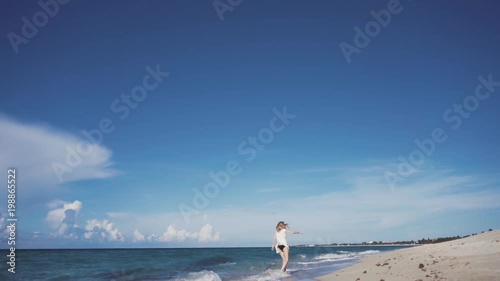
475 258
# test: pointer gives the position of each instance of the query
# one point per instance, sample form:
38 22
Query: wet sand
475 258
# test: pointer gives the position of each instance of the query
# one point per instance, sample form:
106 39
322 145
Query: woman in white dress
279 240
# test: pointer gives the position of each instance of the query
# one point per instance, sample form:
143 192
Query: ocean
193 264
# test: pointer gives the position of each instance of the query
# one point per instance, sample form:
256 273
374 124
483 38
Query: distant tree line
444 239
421 241
438 240
392 243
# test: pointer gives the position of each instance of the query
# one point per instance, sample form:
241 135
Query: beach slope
475 258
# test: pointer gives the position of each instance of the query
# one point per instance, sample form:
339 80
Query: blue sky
324 170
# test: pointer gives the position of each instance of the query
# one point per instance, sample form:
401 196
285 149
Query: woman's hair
281 225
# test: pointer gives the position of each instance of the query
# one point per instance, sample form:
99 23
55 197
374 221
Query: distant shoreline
163 248
358 245
333 245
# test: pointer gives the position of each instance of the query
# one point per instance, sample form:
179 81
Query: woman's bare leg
286 251
282 254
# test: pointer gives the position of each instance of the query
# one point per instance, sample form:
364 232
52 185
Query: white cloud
138 237
64 218
206 234
172 234
54 204
152 237
34 148
103 231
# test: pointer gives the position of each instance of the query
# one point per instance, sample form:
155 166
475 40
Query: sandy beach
475 258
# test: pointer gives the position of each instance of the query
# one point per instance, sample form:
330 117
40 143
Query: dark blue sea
199 264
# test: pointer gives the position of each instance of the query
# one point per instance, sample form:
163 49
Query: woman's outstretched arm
274 241
293 231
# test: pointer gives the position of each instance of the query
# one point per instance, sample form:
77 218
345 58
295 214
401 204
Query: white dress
281 239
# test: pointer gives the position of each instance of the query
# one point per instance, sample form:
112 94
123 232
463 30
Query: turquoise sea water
200 264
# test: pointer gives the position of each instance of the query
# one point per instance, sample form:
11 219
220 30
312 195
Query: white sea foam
334 256
268 275
273 275
302 256
339 256
328 258
369 252
204 275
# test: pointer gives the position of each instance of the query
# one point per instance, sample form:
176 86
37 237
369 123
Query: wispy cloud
367 205
368 197
118 215
308 171
268 190
33 148
363 207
